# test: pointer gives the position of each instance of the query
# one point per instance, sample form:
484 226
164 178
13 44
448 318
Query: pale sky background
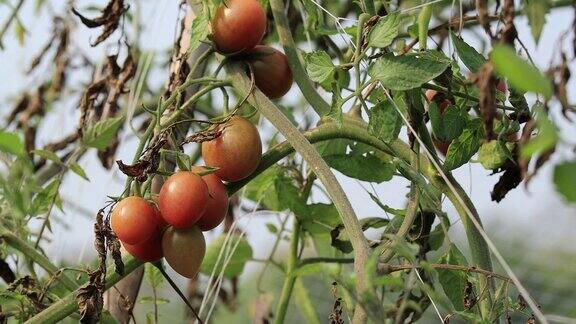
537 213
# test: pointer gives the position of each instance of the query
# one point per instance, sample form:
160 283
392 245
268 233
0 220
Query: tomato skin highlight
217 205
147 251
134 220
238 26
183 199
184 249
272 73
236 152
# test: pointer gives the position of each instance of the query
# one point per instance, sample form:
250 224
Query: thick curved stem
317 165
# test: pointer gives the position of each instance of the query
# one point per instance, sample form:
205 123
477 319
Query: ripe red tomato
134 220
217 205
441 146
183 199
238 25
147 251
272 73
184 249
237 151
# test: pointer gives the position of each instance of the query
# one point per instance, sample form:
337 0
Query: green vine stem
33 254
291 266
68 305
317 165
298 71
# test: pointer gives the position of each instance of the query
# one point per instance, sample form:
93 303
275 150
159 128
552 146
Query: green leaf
320 67
11 143
47 155
448 125
406 71
101 134
320 218
366 168
469 56
199 31
536 11
238 259
153 276
453 282
76 168
464 146
385 30
520 74
272 228
385 122
547 135
565 178
44 199
20 31
492 154
305 304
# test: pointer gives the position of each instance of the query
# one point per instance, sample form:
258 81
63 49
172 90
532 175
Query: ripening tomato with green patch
217 205
272 73
238 25
149 250
236 152
184 249
183 199
134 220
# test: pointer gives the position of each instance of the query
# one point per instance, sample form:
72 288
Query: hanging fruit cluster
189 202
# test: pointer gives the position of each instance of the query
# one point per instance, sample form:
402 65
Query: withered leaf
109 19
90 298
135 170
487 86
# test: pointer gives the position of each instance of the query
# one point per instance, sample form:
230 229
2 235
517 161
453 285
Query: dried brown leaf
109 19
487 85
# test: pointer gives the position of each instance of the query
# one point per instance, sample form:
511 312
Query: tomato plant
170 134
134 220
217 204
184 249
236 152
272 73
238 25
183 199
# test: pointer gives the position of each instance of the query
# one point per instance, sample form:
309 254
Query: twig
9 21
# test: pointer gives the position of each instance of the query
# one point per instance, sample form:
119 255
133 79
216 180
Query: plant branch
316 163
290 276
9 21
68 305
31 253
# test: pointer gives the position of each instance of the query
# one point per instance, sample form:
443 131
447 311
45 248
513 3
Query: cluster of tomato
189 202
196 200
237 29
443 103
